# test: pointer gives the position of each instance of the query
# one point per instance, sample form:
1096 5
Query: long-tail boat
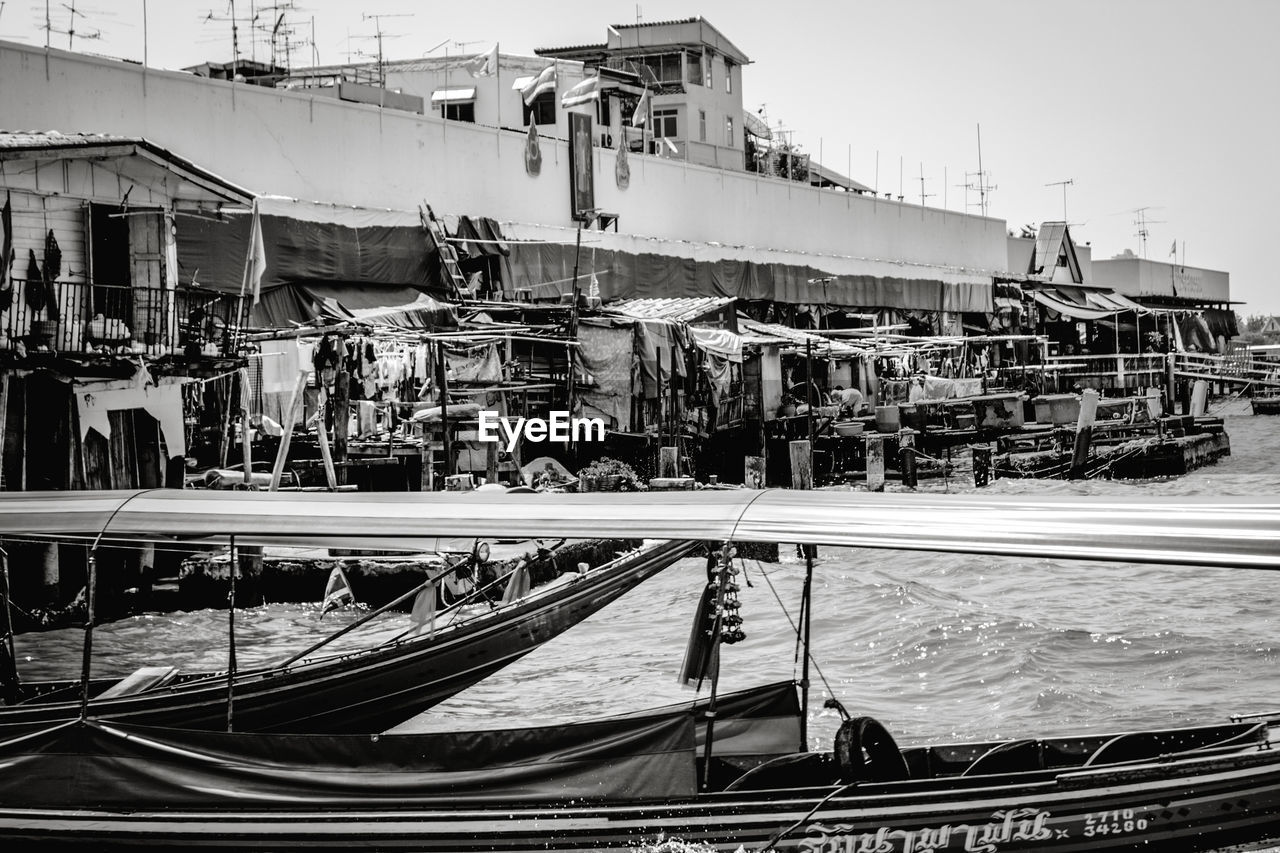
726 779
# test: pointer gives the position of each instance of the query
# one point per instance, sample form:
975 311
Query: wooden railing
83 318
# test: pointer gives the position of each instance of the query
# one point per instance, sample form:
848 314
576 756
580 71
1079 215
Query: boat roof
1230 532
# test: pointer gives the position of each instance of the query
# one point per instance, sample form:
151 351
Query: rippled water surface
938 647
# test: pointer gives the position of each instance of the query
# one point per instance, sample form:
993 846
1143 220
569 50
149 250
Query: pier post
801 465
1199 398
981 466
49 579
1084 433
1170 384
907 457
753 473
668 462
875 463
341 422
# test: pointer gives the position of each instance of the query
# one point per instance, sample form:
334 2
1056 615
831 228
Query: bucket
888 419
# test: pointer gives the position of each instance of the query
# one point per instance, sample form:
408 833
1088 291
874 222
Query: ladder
448 254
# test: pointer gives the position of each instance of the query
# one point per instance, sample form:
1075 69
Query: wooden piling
341 422
801 465
907 457
875 463
291 416
982 466
1084 433
1200 398
1170 384
668 462
753 474
322 435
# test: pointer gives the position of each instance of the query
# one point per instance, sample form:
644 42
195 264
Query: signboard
582 186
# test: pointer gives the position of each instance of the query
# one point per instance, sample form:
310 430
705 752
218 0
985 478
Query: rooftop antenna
982 176
1064 184
1142 222
235 34
639 13
70 32
377 24
923 194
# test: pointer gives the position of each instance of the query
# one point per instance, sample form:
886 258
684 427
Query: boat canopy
1230 532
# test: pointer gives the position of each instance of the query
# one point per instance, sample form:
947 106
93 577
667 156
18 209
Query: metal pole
806 619
233 567
442 382
715 667
91 583
573 322
808 392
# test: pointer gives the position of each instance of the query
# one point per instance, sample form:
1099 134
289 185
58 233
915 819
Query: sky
1170 107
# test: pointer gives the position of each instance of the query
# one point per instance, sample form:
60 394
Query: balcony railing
108 318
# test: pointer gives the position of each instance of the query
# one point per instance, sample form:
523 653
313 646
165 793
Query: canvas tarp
105 765
309 243
390 305
606 350
547 269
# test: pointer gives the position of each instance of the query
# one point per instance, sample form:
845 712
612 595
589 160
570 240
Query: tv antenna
1064 184
923 194
231 18
71 31
380 35
1142 222
978 182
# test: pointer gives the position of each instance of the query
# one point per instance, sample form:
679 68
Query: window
702 125
728 133
542 110
666 67
728 76
693 62
460 112
664 124
710 62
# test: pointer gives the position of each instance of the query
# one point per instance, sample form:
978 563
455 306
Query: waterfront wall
301 145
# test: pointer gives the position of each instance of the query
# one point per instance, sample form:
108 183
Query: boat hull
373 690
1185 806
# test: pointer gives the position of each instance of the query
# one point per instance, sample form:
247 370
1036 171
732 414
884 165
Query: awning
1209 531
1084 304
453 96
719 342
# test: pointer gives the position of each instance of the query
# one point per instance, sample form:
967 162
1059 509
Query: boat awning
1086 304
1234 532
453 96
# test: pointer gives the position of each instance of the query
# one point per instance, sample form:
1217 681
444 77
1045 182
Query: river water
937 647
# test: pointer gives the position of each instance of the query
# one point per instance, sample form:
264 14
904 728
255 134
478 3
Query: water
937 647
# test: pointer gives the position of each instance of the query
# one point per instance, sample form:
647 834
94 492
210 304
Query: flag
1173 250
255 262
544 82
484 64
593 292
423 613
337 592
641 115
585 92
517 585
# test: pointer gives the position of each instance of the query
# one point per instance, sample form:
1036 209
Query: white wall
291 143
1142 277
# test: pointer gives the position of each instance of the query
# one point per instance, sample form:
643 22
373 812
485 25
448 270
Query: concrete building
694 77
1163 284
763 238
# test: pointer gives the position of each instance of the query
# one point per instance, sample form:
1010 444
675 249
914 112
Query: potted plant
787 407
608 475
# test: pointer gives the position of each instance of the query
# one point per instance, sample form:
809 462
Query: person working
847 399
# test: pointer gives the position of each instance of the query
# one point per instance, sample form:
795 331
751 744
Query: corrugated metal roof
33 139
677 310
755 332
21 144
656 23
